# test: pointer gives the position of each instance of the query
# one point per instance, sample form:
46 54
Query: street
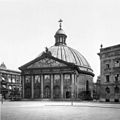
49 110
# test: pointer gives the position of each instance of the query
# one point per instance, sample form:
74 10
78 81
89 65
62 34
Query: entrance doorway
47 92
56 92
28 92
68 94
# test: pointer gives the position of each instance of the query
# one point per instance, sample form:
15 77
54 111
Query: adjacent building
60 72
109 85
10 80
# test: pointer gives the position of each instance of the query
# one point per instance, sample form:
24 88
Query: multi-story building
10 80
110 73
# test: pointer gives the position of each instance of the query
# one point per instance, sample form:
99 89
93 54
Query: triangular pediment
45 63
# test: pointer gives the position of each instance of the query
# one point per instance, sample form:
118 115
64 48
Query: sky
28 26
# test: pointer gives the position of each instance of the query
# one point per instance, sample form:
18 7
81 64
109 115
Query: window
37 79
107 78
17 79
13 80
10 87
117 64
67 80
116 77
67 76
56 79
116 89
107 66
60 40
9 79
47 78
107 89
27 79
87 85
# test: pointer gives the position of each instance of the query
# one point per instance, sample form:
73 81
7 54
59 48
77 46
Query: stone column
75 79
51 86
32 87
73 86
41 86
61 86
23 88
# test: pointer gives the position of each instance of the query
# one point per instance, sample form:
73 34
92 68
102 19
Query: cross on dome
60 21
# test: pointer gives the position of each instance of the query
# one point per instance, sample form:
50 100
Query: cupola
60 36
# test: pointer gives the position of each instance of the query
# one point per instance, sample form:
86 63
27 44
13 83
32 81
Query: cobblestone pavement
44 110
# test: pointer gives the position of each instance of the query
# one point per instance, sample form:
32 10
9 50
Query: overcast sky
28 26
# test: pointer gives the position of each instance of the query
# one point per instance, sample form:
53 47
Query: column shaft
73 86
23 88
41 86
76 92
32 87
51 86
61 86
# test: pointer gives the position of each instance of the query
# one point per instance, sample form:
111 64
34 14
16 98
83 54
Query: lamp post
72 96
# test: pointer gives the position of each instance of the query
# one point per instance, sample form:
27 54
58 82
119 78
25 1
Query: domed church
58 73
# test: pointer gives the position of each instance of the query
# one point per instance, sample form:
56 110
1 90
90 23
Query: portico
48 86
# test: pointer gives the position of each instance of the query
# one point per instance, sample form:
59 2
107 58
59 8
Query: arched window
56 79
107 89
37 79
116 89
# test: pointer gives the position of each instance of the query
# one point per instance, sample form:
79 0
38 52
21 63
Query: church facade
60 72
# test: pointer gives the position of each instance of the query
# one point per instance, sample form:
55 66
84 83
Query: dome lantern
60 36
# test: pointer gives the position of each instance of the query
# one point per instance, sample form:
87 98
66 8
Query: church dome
60 31
63 52
69 54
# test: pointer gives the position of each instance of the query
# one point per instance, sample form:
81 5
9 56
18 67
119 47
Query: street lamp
72 95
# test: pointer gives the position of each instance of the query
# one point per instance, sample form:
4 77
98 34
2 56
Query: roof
69 64
69 54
